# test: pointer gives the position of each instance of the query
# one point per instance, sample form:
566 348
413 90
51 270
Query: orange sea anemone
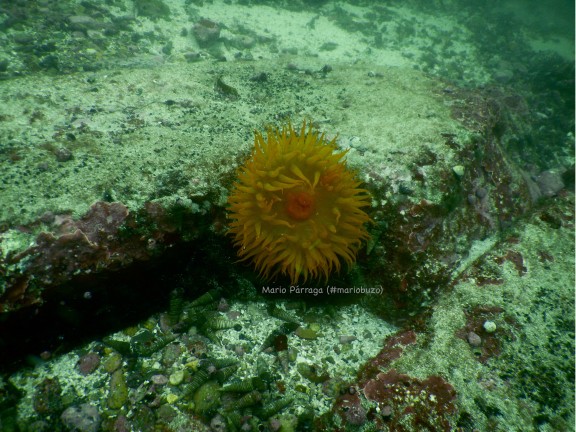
295 208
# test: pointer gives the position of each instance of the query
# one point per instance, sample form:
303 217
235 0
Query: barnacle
296 209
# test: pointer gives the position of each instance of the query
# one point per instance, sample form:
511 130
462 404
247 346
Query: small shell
206 298
284 329
274 407
220 363
284 360
145 343
249 399
211 334
244 386
176 306
280 313
197 381
234 418
224 373
216 321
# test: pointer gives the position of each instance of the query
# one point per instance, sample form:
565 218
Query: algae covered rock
207 399
117 390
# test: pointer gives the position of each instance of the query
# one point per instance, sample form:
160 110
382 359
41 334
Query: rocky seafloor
122 304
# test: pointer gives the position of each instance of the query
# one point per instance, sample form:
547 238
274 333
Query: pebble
47 398
550 183
206 32
112 362
81 20
192 56
88 363
171 398
63 154
159 379
474 339
386 411
458 170
166 414
83 418
118 391
489 326
305 333
481 192
176 378
344 339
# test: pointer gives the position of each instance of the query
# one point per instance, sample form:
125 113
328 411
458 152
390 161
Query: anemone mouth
299 205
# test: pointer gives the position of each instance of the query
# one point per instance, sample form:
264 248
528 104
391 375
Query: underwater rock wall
122 304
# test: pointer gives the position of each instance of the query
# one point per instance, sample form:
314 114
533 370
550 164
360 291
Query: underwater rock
83 418
474 339
351 410
118 390
306 333
88 363
346 339
550 182
206 32
431 401
207 399
153 9
48 397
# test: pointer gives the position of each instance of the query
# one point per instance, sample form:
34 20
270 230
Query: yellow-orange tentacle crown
295 208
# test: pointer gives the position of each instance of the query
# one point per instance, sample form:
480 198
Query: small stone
165 413
474 339
314 326
192 57
83 418
112 362
481 192
171 398
223 305
489 326
80 19
306 333
386 411
171 354
47 398
159 379
118 390
550 183
346 339
176 378
458 170
121 424
47 217
218 424
503 75
63 154
206 32
88 363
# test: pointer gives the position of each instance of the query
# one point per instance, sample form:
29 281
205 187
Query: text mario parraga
328 290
